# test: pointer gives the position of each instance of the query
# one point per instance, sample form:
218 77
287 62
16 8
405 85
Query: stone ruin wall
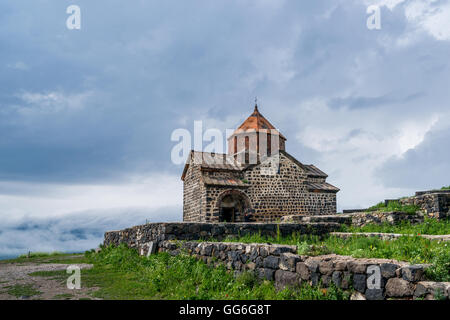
279 263
138 236
282 264
434 204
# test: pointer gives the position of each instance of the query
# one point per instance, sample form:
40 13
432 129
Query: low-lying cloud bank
75 232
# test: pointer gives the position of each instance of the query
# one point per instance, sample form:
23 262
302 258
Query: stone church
257 180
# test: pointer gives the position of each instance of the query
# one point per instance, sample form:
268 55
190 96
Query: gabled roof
256 122
212 161
321 187
311 170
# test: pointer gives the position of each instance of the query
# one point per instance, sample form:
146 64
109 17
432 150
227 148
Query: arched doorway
233 205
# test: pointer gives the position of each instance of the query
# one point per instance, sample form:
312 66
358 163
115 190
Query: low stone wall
138 236
336 218
389 236
434 204
379 217
372 279
357 219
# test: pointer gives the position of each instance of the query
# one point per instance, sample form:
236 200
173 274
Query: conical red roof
256 122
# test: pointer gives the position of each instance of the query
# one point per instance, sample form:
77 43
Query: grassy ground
22 290
122 274
429 226
394 205
54 257
411 249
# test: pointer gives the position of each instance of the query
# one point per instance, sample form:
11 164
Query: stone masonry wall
139 236
281 264
433 204
194 200
273 196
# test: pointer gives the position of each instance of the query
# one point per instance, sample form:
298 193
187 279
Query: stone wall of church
272 195
284 192
194 199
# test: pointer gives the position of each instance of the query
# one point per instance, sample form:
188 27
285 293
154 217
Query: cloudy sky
86 116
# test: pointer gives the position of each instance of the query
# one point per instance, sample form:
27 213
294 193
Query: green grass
64 296
394 205
413 249
429 226
19 290
40 254
41 257
445 188
122 274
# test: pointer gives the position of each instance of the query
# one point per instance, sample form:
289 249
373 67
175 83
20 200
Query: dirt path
16 283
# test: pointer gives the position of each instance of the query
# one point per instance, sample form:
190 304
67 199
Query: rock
374 294
359 282
388 270
286 279
271 262
263 252
326 267
265 274
346 280
315 278
277 250
250 266
303 271
340 265
337 278
356 266
430 290
325 280
413 273
313 265
289 261
357 296
396 287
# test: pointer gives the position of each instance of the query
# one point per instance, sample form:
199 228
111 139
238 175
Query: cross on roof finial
256 103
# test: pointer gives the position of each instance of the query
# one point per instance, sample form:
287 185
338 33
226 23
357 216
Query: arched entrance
232 205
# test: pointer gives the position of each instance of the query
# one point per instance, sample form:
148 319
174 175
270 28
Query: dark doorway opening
233 207
227 215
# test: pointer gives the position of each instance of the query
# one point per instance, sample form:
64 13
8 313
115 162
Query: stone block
396 287
271 262
288 261
430 290
374 294
326 267
303 271
359 282
265 274
388 270
413 273
286 279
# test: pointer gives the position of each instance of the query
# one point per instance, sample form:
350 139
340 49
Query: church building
257 180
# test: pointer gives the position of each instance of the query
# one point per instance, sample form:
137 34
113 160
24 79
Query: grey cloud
425 167
75 232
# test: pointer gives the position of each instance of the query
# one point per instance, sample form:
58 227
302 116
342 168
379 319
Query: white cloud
58 217
55 200
35 103
352 144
